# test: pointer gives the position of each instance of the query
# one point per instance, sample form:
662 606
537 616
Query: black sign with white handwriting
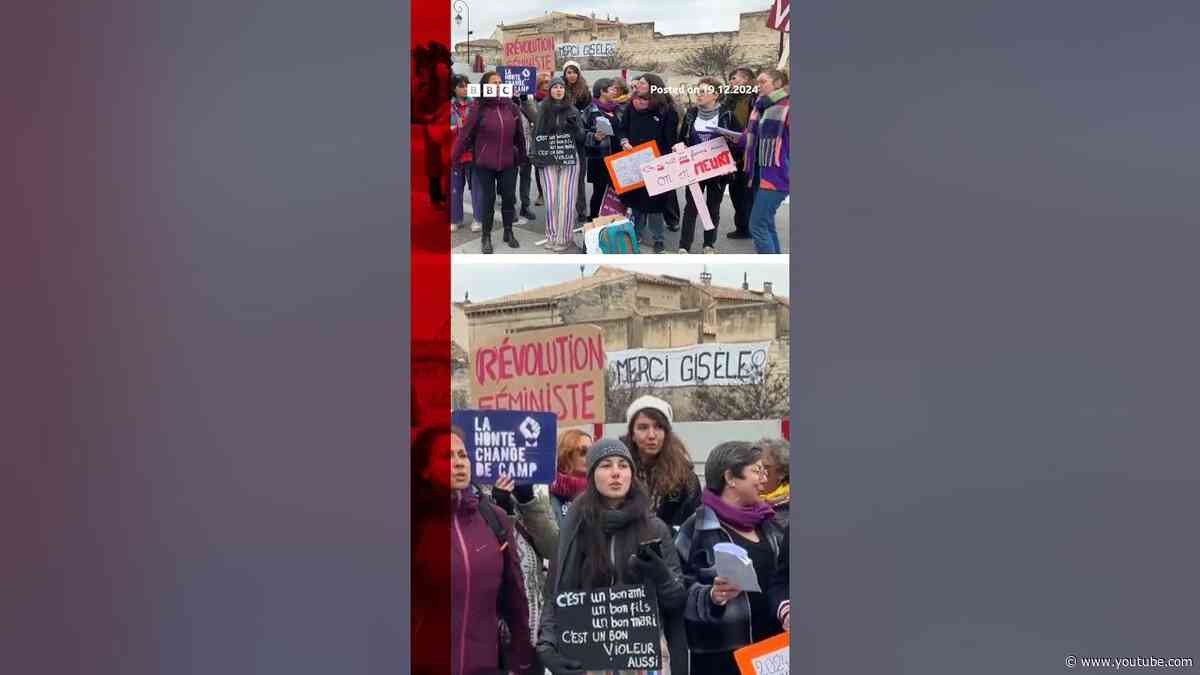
613 628
553 150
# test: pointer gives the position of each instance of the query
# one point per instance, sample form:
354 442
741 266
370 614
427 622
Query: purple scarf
607 106
744 518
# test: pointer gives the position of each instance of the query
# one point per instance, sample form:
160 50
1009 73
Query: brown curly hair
672 472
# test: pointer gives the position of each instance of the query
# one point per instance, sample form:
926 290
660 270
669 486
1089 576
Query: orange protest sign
769 657
625 168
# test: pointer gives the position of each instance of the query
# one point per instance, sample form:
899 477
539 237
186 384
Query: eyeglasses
757 470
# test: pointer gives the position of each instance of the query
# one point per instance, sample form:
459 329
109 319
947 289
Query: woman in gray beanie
599 546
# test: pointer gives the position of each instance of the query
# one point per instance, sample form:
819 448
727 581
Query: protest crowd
625 519
493 153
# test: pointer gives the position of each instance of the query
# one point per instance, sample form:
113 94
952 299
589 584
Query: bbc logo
489 90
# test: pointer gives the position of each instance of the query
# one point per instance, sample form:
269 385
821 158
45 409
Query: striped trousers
561 185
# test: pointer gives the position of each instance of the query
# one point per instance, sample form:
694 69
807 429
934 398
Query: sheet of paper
734 564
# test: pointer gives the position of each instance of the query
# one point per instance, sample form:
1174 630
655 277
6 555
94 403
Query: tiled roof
605 274
727 293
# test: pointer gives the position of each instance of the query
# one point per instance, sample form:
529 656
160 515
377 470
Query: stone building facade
640 41
635 310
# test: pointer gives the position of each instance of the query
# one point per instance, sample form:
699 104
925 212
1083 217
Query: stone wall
660 297
677 329
746 323
760 45
614 299
489 325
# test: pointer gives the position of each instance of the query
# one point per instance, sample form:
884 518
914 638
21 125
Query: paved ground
465 241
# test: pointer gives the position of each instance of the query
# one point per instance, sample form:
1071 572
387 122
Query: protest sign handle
701 206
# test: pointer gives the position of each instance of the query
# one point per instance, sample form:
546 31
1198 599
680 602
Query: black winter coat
710 627
598 150
660 126
671 597
558 120
675 508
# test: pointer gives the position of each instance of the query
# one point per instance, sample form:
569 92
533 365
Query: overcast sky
670 16
486 281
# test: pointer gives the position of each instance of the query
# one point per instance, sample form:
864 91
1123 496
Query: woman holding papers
700 124
600 139
732 537
560 175
610 539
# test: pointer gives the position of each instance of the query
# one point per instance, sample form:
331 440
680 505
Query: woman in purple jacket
495 136
485 581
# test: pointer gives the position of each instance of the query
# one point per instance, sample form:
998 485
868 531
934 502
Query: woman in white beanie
662 460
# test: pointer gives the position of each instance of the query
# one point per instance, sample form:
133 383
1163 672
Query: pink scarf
568 486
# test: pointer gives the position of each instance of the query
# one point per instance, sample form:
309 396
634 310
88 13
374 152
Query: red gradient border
430 320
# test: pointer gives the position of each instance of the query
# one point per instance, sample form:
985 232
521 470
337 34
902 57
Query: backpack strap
489 517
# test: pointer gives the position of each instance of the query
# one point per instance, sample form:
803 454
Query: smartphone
652 545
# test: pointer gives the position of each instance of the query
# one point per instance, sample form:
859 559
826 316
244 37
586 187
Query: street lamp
459 7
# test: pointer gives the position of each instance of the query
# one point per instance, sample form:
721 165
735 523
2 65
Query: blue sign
522 78
522 445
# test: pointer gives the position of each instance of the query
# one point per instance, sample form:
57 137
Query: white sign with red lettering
687 166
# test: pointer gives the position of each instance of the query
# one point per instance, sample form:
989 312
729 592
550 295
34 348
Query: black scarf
580 536
551 116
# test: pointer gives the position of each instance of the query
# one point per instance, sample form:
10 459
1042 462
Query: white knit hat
650 402
568 64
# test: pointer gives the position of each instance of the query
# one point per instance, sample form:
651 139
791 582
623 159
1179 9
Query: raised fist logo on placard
531 430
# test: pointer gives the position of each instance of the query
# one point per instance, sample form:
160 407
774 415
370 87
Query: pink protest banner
558 370
688 166
536 51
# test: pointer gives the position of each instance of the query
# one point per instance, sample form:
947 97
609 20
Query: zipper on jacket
500 145
462 544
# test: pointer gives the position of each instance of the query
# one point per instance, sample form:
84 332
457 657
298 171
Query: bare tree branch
765 395
715 60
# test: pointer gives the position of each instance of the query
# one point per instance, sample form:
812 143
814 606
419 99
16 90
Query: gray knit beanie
606 447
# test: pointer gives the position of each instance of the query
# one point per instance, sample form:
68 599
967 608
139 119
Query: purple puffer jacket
486 585
494 134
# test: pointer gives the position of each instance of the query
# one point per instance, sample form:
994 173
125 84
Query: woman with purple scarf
720 617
